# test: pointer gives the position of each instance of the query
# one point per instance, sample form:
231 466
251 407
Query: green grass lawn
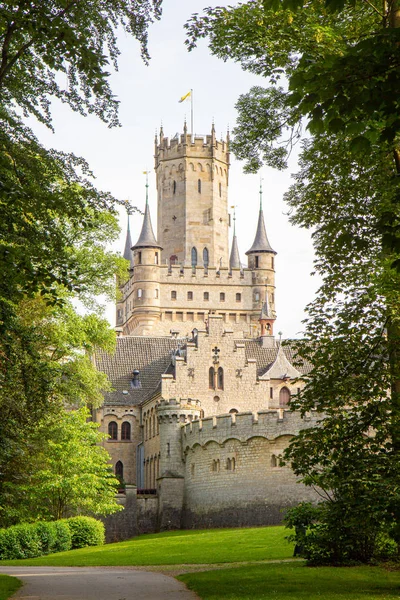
295 581
8 585
177 547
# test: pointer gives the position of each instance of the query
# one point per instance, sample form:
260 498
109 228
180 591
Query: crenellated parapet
268 424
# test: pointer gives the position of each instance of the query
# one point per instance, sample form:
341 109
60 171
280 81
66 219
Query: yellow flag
185 96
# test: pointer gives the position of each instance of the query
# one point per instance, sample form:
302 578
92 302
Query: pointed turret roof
128 245
261 242
147 239
234 259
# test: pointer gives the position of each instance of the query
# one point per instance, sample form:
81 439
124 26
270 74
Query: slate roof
234 260
151 356
147 239
265 357
261 242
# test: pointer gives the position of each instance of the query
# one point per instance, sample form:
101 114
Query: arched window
228 464
154 425
211 378
125 431
199 186
173 260
233 411
284 397
205 258
119 470
113 430
139 293
220 378
274 462
194 257
174 187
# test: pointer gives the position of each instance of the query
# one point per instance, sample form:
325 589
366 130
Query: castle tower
261 260
192 186
146 286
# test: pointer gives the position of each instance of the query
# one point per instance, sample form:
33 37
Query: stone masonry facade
199 414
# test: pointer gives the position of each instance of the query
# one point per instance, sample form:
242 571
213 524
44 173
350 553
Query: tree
46 367
339 60
47 196
68 472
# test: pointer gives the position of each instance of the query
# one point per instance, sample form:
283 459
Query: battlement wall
233 474
186 145
269 424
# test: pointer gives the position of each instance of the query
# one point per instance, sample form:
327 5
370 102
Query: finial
234 219
161 131
147 186
185 127
261 191
213 127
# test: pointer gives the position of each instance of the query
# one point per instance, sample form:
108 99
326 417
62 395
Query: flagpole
191 111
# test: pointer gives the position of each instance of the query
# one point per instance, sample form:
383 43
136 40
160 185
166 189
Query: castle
198 417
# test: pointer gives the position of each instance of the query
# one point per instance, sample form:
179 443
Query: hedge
29 540
86 531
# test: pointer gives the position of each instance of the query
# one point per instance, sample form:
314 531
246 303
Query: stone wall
233 475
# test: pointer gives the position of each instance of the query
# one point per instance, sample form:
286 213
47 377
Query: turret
267 318
261 260
146 274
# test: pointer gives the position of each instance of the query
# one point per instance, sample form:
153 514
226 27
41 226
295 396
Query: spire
147 238
128 245
266 312
234 259
261 243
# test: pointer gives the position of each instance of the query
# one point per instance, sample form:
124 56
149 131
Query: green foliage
86 531
40 42
329 533
29 540
67 472
63 537
46 365
340 63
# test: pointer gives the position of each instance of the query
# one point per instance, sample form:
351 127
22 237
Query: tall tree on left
54 223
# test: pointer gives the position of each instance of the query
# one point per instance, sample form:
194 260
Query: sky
148 97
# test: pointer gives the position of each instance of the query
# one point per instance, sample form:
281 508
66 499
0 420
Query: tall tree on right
333 67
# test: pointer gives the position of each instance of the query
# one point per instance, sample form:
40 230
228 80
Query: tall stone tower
177 280
192 184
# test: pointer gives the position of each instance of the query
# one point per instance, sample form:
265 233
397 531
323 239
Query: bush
35 539
19 541
47 534
64 538
86 531
334 533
